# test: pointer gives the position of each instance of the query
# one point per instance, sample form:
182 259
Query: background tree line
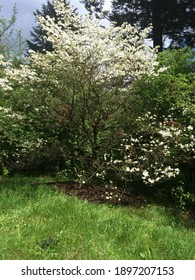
172 19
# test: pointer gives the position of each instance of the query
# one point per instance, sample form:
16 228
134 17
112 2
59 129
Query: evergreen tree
94 6
38 42
173 19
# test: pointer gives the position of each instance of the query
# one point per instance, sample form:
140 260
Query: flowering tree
80 97
11 48
84 84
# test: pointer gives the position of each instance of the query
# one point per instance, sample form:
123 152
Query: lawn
40 222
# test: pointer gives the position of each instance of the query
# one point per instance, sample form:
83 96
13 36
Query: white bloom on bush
156 157
117 161
117 55
4 83
165 133
151 181
190 127
145 174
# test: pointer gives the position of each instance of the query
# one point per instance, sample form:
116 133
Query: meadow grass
38 222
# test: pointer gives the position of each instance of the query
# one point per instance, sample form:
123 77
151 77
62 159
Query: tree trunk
157 24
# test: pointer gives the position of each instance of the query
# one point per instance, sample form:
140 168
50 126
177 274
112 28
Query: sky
25 18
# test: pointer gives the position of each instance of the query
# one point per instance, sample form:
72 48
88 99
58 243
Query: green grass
38 222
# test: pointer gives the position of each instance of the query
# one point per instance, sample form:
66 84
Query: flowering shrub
82 96
84 83
155 152
21 147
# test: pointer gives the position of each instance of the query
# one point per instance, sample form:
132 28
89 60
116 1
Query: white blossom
145 174
117 55
190 127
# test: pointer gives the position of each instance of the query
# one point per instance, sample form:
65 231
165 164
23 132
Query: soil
108 194
100 194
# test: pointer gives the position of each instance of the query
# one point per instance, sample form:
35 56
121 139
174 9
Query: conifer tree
172 19
38 41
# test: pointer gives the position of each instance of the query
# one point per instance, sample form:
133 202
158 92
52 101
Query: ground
112 195
100 194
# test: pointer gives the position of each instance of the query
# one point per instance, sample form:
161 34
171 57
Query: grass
38 222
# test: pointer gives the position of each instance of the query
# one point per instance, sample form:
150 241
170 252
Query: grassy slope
37 222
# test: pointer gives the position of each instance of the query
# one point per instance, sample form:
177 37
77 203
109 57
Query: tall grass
38 222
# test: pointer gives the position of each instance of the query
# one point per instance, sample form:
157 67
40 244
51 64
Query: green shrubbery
171 96
101 107
172 90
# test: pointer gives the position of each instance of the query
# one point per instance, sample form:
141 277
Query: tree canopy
172 19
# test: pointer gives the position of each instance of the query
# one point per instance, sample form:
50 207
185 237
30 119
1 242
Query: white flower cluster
4 81
111 194
155 152
9 113
22 76
111 55
27 150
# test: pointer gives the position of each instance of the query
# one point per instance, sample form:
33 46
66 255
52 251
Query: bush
154 152
172 90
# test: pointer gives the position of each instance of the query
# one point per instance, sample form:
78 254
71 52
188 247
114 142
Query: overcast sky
25 18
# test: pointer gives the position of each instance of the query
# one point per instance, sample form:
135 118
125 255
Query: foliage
11 43
79 92
172 90
26 143
170 19
101 104
183 199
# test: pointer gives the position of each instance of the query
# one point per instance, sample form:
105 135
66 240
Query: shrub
154 152
172 89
